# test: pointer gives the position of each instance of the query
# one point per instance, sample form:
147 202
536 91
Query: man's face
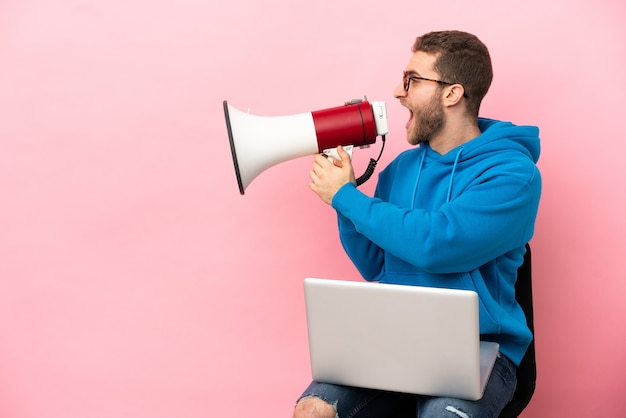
422 99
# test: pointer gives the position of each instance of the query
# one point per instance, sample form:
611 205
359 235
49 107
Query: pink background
135 281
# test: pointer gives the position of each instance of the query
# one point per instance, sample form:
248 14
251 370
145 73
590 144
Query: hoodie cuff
343 195
340 200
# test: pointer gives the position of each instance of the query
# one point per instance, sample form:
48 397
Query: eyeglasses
406 80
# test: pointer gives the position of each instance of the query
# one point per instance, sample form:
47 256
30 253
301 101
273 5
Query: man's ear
453 94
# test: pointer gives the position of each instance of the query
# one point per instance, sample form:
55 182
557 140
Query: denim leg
351 402
498 393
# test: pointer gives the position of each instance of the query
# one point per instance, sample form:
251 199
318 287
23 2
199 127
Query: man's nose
399 91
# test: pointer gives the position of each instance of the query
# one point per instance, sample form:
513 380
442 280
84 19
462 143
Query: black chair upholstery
527 370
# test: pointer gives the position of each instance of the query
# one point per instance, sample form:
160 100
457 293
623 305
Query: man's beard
427 123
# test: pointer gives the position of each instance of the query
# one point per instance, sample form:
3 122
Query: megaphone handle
332 152
371 166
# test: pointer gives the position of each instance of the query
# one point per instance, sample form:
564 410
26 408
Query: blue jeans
351 402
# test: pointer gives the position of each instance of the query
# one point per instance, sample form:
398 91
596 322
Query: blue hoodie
459 220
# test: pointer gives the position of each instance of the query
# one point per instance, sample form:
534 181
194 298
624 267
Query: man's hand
328 175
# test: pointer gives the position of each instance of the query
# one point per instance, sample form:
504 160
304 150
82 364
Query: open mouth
408 123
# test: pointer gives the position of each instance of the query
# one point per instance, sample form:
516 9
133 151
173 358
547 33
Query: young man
454 212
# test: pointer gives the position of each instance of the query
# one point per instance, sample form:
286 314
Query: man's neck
454 134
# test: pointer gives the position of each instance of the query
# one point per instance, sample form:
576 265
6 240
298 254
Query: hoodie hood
497 136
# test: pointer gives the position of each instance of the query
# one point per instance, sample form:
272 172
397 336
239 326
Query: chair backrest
527 370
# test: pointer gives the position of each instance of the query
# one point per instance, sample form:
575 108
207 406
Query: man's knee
314 407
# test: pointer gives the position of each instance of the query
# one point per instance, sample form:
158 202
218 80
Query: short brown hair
461 58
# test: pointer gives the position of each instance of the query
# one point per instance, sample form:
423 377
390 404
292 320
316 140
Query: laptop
409 339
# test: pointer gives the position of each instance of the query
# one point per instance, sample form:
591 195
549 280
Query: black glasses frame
406 80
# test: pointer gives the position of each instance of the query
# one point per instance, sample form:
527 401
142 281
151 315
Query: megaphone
259 142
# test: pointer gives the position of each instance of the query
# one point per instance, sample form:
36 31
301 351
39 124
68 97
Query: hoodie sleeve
364 253
489 217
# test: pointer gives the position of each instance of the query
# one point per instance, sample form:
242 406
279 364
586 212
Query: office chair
527 370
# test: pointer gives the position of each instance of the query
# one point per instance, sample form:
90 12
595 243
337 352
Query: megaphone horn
259 142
